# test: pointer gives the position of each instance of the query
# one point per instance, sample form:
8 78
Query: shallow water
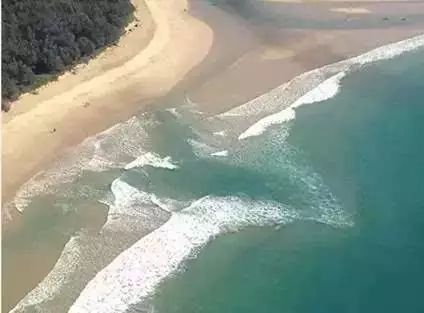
367 145
318 15
130 206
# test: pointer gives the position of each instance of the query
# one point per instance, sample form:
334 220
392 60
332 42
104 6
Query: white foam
174 112
259 127
166 204
49 286
221 133
124 139
136 272
222 153
281 96
154 160
131 215
125 195
326 90
389 51
114 146
200 149
129 204
103 151
323 91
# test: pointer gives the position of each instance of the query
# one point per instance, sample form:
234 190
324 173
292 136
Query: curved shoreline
329 87
126 79
375 55
119 293
78 109
142 28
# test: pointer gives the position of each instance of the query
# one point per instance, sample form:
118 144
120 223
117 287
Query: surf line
323 86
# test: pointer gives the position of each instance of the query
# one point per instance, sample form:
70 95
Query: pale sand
351 10
244 61
111 88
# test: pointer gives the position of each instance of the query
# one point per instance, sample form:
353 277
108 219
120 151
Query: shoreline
96 285
204 72
229 49
149 71
166 234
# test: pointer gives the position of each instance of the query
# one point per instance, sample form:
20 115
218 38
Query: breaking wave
172 235
313 86
132 215
152 159
200 149
222 153
137 271
129 205
112 148
323 91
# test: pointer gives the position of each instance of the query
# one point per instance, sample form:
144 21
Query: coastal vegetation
40 39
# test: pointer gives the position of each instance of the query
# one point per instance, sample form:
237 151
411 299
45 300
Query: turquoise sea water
367 144
172 212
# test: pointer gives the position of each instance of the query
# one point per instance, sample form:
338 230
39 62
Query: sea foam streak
287 94
222 153
52 282
174 112
132 215
200 149
129 204
103 151
136 272
152 159
323 91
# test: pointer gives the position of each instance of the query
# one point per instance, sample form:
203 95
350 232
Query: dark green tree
42 38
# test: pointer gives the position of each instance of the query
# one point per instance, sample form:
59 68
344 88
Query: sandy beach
218 55
148 62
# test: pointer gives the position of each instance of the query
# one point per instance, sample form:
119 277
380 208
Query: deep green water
338 192
367 145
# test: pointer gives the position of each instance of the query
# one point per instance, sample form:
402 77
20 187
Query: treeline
41 38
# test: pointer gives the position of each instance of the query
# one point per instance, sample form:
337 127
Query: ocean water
304 199
367 145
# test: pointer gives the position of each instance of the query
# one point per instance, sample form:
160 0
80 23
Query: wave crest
324 91
136 272
154 160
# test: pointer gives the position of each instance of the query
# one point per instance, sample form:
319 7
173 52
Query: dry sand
278 51
218 57
110 88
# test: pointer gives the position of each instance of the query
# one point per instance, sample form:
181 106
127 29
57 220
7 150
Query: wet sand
220 56
282 40
111 91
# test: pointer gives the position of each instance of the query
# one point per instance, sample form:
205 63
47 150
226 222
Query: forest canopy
40 38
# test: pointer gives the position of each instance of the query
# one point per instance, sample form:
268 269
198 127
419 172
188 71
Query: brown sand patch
276 53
